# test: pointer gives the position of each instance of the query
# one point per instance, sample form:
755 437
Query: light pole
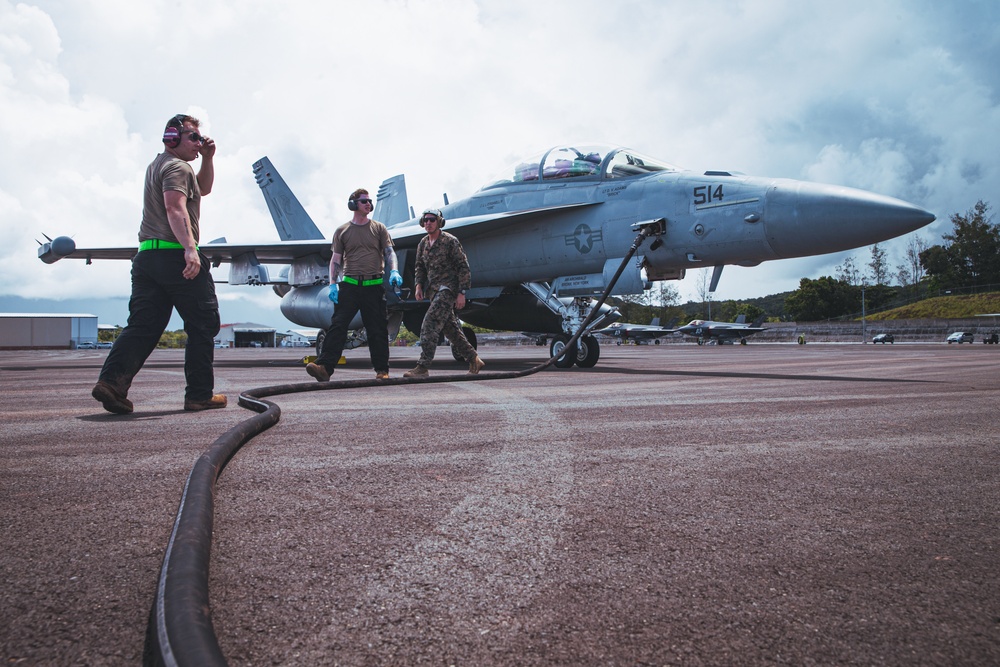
864 338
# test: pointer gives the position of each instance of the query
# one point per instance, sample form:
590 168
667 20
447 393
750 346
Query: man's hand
207 148
334 293
395 279
460 301
418 293
192 264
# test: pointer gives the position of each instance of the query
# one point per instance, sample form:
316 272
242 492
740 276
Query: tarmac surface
675 505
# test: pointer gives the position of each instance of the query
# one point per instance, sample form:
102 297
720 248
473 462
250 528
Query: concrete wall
922 331
904 331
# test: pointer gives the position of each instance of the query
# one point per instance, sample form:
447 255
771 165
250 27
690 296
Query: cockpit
584 161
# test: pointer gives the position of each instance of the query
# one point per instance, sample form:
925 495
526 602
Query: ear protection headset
172 134
352 203
437 213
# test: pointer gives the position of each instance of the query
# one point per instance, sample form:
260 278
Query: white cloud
898 97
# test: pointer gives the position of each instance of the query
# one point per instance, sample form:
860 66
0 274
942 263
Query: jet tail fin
655 322
290 219
391 205
740 319
759 321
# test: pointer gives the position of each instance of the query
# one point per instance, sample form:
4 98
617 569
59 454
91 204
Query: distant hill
944 307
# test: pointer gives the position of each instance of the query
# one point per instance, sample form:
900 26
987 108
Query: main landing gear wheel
320 337
588 351
567 356
470 336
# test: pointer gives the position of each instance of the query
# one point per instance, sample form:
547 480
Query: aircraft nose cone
811 218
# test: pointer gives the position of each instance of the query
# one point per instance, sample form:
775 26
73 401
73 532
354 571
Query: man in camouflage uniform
442 273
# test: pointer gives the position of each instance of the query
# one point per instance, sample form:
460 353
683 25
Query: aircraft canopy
582 161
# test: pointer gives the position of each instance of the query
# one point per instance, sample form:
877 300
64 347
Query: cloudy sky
896 96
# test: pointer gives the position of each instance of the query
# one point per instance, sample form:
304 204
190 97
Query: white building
299 338
246 334
47 330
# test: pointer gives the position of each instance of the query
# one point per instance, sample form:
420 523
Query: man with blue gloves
362 252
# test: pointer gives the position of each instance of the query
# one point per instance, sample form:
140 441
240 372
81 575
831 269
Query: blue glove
395 279
334 292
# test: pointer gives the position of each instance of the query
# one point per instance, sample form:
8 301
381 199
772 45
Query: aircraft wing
635 331
218 252
267 253
47 255
404 235
733 332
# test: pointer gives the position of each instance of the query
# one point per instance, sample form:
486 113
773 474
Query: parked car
86 345
884 338
960 337
992 339
105 345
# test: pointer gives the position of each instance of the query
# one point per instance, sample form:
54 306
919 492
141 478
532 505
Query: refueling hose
179 632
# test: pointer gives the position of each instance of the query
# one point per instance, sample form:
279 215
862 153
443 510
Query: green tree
173 339
730 310
972 255
664 297
848 272
910 272
703 282
878 267
877 297
633 307
823 299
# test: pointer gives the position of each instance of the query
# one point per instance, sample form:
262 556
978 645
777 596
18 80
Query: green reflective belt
157 244
363 283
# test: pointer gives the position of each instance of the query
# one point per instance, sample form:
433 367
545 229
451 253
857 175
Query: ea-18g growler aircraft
548 235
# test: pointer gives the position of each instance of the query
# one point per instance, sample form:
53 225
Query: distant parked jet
723 331
623 332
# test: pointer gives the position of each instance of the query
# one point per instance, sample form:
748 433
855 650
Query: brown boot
476 365
318 372
217 401
417 372
111 399
382 375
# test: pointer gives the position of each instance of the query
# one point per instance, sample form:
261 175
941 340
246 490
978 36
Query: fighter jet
548 234
623 332
723 332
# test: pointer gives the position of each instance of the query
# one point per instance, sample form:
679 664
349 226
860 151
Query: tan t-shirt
361 247
166 173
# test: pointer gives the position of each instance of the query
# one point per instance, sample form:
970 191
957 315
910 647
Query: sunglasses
365 201
428 219
195 137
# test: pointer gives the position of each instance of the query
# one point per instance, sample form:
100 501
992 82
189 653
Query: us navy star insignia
584 238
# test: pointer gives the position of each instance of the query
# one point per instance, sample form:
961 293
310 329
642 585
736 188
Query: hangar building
53 331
